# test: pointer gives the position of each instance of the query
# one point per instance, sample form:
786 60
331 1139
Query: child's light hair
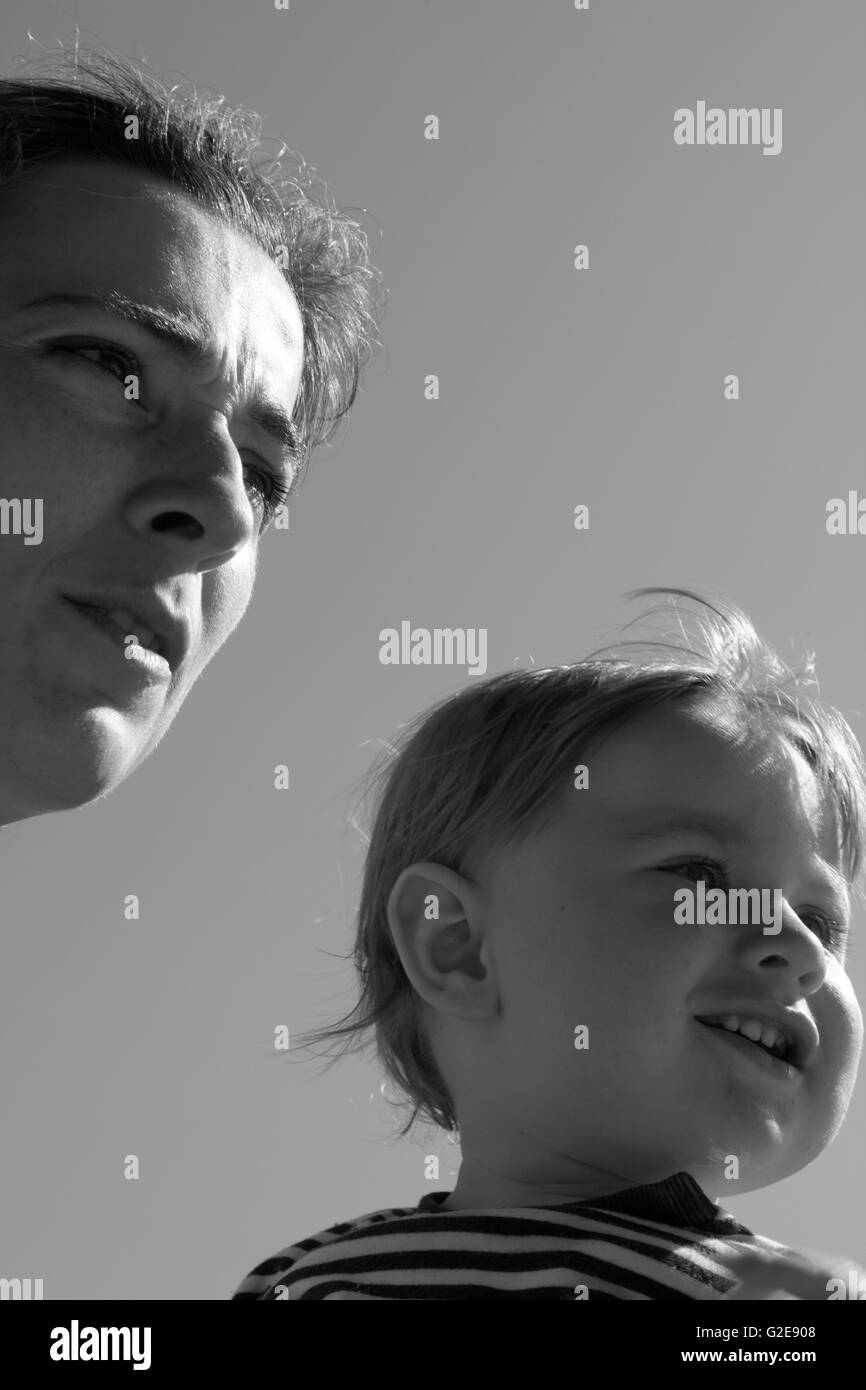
485 767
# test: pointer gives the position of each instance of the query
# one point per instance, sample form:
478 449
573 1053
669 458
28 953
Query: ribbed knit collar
677 1201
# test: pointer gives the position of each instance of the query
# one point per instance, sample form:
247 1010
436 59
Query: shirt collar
677 1200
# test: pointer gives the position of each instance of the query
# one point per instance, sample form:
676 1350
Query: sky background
601 387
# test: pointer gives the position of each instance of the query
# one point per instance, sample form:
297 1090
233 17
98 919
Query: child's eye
833 933
717 871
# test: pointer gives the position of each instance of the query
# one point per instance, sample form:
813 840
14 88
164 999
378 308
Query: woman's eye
109 351
271 490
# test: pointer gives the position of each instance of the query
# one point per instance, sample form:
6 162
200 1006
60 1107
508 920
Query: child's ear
439 932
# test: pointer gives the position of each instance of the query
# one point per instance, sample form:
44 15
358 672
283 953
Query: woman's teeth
132 627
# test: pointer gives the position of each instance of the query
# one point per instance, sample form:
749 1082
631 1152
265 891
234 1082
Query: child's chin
751 1175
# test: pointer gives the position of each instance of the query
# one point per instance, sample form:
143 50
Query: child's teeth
752 1029
765 1033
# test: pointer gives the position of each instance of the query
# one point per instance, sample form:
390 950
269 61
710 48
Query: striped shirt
662 1240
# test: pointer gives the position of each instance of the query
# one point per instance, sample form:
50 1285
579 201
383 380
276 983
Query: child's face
581 931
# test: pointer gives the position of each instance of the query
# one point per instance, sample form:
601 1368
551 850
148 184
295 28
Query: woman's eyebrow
182 336
179 333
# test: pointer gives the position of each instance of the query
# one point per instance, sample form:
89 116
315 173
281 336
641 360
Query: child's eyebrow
721 826
730 832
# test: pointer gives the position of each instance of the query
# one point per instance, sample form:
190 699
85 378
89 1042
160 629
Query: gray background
603 387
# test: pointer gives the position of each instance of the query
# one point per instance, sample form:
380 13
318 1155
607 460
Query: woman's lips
139 661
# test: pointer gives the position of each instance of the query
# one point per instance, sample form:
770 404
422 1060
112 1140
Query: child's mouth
748 1050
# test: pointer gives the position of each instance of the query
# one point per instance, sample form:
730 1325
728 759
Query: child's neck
479 1187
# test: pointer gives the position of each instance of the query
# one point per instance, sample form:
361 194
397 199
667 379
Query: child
613 1072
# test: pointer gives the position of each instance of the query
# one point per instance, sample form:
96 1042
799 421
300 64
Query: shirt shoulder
265 1280
430 1252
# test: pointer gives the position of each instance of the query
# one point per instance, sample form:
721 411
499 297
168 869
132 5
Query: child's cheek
841 1010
